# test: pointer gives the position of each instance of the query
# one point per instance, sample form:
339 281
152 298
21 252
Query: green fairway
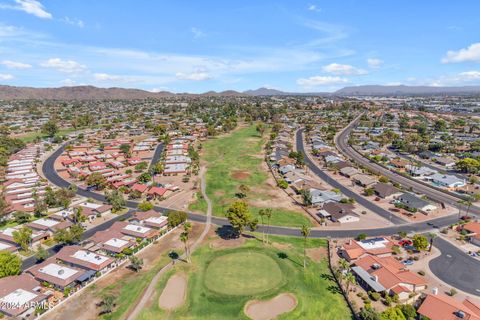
219 279
243 273
234 160
30 137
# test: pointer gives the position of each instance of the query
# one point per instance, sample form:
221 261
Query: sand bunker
270 309
240 175
173 295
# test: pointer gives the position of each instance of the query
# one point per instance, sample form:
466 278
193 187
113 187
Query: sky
198 46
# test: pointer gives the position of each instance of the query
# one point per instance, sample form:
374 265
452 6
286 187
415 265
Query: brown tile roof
442 307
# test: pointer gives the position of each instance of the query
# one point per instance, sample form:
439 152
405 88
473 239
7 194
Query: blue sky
197 46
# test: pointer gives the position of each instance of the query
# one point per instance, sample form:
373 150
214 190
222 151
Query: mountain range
95 93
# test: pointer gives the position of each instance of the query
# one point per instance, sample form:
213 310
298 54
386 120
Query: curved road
454 279
341 142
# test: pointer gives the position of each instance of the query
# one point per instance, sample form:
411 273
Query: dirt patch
240 175
270 309
228 243
173 295
282 246
317 254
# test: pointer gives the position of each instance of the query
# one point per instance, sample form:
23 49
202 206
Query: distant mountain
94 93
405 91
265 92
77 93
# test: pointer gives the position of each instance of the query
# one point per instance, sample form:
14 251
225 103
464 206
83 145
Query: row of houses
75 266
23 186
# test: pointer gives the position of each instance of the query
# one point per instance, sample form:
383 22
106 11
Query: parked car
405 242
407 262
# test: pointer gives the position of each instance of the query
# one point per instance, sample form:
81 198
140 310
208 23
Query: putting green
243 273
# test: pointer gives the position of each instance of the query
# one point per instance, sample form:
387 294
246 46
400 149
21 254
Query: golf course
234 164
231 282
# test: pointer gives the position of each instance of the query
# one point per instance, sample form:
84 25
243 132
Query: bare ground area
84 305
174 293
317 254
282 246
240 175
270 309
227 243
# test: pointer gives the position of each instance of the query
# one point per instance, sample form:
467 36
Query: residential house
323 196
19 295
150 218
349 172
450 182
77 256
447 162
473 229
442 307
411 201
91 210
110 241
49 225
364 180
385 190
58 275
353 249
339 212
387 274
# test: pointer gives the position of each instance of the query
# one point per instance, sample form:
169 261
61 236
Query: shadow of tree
334 289
226 232
327 276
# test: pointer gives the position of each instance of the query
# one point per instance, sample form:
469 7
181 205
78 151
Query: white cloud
374 62
194 76
67 66
74 22
469 75
197 33
316 81
32 7
5 76
15 65
462 78
68 82
105 77
343 69
472 53
313 7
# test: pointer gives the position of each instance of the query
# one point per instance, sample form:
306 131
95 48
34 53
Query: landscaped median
234 170
251 277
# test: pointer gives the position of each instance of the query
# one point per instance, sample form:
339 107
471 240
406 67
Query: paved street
464 264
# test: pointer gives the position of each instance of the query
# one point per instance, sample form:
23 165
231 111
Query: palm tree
350 279
268 214
305 230
262 214
184 236
432 237
344 264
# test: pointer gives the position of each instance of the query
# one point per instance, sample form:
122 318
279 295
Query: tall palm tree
268 214
344 264
350 280
184 236
305 230
262 214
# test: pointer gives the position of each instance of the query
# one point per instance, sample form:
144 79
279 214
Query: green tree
41 254
420 242
10 264
392 314
305 231
408 311
50 128
144 177
468 165
21 217
141 166
260 128
108 304
96 179
145 206
240 217
64 236
369 314
350 280
116 200
176 218
125 149
23 237
136 263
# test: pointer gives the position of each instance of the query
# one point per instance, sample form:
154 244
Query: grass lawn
30 136
317 294
232 274
236 159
